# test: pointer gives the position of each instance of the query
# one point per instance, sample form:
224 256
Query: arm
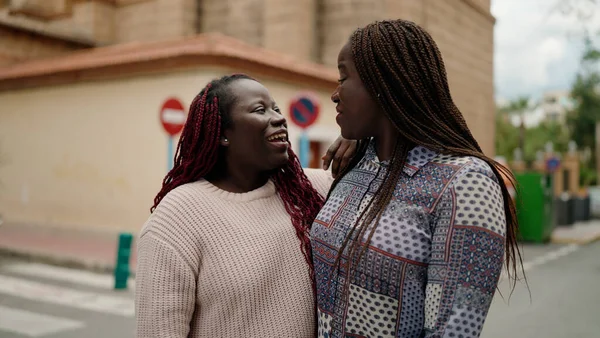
165 294
467 256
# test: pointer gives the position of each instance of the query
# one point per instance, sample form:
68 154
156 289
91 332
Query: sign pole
304 111
304 149
172 118
170 153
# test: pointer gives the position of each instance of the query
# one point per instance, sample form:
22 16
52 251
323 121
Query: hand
339 155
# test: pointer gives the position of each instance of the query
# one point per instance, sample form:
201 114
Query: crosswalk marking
96 280
92 301
32 324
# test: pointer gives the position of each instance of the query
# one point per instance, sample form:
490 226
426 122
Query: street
565 296
38 300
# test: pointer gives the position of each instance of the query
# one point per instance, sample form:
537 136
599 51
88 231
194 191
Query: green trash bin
535 207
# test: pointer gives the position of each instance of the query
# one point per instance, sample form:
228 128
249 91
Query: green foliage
587 176
507 138
585 114
580 123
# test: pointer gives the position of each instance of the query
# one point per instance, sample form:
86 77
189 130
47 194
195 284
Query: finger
337 158
328 157
348 154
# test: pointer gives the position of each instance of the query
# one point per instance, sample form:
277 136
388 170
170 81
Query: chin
348 135
279 161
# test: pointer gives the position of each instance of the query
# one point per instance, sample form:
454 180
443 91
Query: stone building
73 72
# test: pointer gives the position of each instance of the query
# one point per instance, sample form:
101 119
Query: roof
212 49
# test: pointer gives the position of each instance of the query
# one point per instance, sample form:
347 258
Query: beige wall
465 37
94 154
310 30
155 20
464 32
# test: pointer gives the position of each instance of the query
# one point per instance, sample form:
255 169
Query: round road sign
172 116
304 110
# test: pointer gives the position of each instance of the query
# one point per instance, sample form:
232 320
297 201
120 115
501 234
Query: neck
385 142
237 179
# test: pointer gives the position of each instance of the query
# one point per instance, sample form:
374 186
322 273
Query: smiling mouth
281 137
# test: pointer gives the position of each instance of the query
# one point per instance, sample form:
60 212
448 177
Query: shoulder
476 195
178 218
320 179
460 166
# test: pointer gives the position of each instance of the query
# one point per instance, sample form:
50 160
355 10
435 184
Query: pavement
96 251
578 233
89 250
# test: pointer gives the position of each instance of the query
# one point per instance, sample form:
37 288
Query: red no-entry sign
172 116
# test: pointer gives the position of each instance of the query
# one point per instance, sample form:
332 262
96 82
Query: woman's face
257 137
358 114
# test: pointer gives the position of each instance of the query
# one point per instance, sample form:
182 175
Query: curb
56 260
578 241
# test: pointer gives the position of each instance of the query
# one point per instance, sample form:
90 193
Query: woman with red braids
226 251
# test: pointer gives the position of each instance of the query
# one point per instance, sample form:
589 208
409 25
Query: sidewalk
97 251
77 249
580 233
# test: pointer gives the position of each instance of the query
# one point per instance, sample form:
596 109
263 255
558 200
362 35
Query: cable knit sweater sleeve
168 285
167 269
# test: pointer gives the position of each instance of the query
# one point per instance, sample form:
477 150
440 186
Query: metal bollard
122 265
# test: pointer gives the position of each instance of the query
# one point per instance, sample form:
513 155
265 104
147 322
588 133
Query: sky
537 46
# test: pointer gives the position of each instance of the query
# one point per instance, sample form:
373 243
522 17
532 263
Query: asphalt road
50 302
563 299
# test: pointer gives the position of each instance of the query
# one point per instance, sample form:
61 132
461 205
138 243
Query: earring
226 140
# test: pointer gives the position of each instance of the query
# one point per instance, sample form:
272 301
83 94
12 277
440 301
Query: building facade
81 83
555 105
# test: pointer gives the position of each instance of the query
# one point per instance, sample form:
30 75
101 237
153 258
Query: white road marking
550 256
33 324
35 291
96 280
545 258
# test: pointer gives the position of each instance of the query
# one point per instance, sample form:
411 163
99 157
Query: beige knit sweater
218 264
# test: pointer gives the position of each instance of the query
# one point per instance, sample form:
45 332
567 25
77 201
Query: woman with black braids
413 235
226 251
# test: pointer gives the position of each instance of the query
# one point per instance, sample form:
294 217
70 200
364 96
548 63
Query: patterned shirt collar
418 157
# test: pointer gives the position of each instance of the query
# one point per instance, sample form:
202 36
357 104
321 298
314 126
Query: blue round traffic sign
552 164
304 110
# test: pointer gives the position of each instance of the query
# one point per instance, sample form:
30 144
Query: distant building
551 108
555 105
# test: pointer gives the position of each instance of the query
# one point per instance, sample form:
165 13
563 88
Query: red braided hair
197 154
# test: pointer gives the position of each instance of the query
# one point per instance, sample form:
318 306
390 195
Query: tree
507 136
585 115
519 107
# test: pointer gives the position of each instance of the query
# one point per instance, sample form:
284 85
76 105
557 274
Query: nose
335 96
278 119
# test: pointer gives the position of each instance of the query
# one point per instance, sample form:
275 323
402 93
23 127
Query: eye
277 109
259 110
341 80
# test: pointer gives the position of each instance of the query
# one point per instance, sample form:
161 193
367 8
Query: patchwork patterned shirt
433 264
